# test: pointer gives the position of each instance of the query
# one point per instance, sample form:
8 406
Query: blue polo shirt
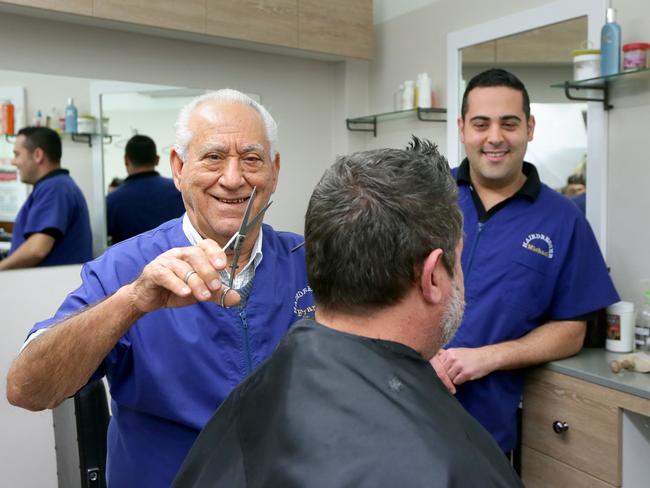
528 260
56 207
143 201
174 367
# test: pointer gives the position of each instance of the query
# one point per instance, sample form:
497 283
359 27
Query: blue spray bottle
610 45
71 117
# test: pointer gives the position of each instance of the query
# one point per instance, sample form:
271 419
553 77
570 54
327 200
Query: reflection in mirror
39 99
540 58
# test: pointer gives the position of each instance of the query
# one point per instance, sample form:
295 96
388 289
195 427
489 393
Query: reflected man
53 225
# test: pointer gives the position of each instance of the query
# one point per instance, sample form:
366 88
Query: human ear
431 277
176 164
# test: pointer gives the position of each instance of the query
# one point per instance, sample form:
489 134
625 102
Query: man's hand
183 276
436 362
464 364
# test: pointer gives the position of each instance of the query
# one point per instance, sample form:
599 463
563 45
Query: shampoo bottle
71 117
424 91
610 45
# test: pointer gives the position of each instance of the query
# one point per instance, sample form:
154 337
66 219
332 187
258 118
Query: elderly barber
148 314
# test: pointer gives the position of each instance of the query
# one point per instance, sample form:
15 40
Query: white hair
184 134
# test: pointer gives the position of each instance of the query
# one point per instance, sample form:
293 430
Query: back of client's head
141 151
373 219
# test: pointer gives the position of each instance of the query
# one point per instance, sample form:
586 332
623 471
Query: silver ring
223 296
188 275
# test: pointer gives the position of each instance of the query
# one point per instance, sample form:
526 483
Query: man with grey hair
350 399
152 314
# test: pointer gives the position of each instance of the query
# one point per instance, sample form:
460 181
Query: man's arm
550 341
59 362
55 365
31 252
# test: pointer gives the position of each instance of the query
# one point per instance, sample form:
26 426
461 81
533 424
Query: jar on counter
620 327
635 56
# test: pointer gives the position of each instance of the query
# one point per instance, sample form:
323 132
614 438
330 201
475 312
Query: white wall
628 213
27 456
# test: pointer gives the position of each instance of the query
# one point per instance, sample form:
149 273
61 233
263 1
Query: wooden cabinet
552 44
268 22
81 7
338 27
188 15
589 452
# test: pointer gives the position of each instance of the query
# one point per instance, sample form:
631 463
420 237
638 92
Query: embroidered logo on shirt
303 303
540 244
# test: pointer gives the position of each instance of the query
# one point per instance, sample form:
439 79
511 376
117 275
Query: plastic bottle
38 119
610 45
642 330
8 118
71 117
424 91
620 327
408 95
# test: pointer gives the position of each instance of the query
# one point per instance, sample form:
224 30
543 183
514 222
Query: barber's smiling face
495 133
24 161
228 156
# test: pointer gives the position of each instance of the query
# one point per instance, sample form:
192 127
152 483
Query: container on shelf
86 124
586 64
8 121
635 55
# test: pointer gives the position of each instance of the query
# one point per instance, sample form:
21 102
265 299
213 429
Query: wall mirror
536 46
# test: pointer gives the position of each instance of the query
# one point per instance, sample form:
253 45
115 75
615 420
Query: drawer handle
560 427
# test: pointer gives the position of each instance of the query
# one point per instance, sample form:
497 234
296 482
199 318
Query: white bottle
408 95
620 327
424 91
642 331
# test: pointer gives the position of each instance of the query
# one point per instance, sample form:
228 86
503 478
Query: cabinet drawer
542 471
591 443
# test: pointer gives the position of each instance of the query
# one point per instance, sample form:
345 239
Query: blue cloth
142 202
56 207
174 367
534 260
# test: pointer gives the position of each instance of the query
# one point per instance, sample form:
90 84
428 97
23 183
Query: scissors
237 240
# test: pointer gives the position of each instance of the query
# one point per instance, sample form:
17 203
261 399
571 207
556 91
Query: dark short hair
372 220
141 150
496 77
44 138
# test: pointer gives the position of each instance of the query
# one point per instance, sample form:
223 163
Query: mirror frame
551 13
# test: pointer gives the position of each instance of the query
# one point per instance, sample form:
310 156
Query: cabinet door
591 443
266 21
338 27
541 471
188 15
80 7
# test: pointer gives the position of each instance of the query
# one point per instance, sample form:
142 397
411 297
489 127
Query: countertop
593 365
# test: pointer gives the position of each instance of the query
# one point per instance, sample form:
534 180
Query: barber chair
92 417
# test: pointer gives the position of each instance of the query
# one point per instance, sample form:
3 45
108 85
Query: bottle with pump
610 45
8 118
71 117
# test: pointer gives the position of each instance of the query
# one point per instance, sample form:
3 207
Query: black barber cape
330 409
